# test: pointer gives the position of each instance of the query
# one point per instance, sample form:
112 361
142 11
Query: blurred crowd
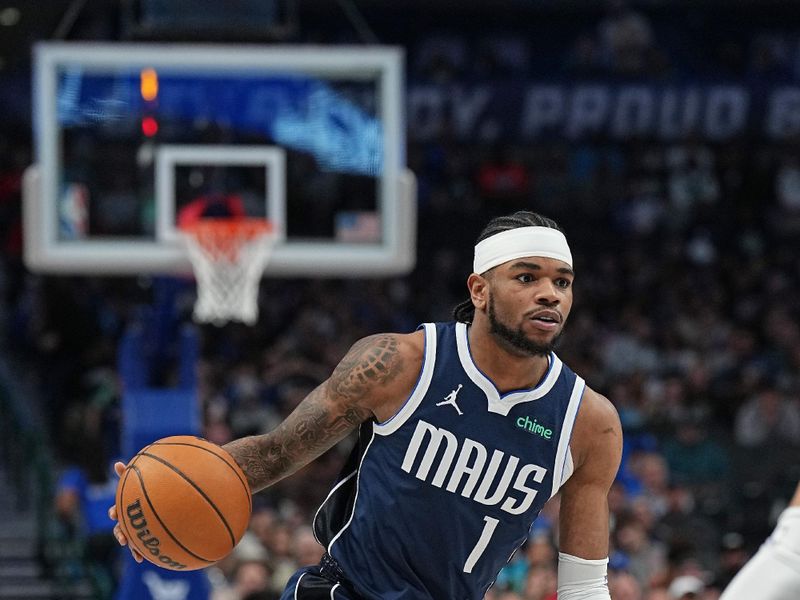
685 316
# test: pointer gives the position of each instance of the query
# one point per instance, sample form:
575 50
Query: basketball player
466 429
774 572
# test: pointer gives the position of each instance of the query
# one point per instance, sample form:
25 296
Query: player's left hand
119 468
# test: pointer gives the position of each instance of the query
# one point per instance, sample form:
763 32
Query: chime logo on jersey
532 426
466 468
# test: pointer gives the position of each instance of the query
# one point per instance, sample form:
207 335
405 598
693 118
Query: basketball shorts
309 584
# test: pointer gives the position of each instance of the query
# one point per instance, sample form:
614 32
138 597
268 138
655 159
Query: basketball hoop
228 257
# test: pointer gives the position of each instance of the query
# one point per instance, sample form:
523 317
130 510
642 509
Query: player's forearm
262 462
315 426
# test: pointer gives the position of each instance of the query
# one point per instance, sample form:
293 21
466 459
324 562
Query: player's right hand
119 468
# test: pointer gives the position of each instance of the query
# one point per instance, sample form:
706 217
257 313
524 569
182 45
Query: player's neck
507 368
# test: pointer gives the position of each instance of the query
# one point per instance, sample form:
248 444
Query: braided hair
464 312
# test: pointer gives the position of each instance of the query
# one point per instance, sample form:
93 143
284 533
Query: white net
228 257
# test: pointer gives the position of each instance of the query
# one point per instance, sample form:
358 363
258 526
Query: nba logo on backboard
73 212
358 226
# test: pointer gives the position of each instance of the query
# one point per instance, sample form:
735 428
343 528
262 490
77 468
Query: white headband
518 243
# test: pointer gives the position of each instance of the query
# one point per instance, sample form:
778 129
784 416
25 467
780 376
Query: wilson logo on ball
139 523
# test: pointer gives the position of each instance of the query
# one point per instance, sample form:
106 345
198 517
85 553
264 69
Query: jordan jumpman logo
451 399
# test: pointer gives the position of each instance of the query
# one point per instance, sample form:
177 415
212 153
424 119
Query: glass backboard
133 138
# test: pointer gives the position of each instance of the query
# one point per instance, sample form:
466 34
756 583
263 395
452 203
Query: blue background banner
619 111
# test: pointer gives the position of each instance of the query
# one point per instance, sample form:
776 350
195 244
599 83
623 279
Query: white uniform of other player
774 572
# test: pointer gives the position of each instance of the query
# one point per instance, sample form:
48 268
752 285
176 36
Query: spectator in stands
652 471
693 457
732 557
306 550
624 586
84 491
539 551
541 583
692 182
685 529
249 577
280 552
768 417
687 587
626 38
645 555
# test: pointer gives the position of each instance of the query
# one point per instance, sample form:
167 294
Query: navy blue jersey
435 501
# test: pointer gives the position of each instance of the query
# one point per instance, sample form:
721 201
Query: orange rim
246 228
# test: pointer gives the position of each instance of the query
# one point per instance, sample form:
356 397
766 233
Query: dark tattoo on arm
328 414
372 361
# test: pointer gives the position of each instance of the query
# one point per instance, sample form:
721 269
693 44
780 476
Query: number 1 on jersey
483 541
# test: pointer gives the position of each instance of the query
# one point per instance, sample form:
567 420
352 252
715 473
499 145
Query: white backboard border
44 252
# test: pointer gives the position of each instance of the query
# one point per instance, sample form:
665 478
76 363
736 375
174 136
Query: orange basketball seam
199 491
222 458
155 514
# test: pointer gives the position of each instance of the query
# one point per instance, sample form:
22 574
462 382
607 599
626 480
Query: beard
516 339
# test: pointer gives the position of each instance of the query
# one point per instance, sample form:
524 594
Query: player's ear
478 290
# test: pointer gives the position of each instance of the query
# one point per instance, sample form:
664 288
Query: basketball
183 503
